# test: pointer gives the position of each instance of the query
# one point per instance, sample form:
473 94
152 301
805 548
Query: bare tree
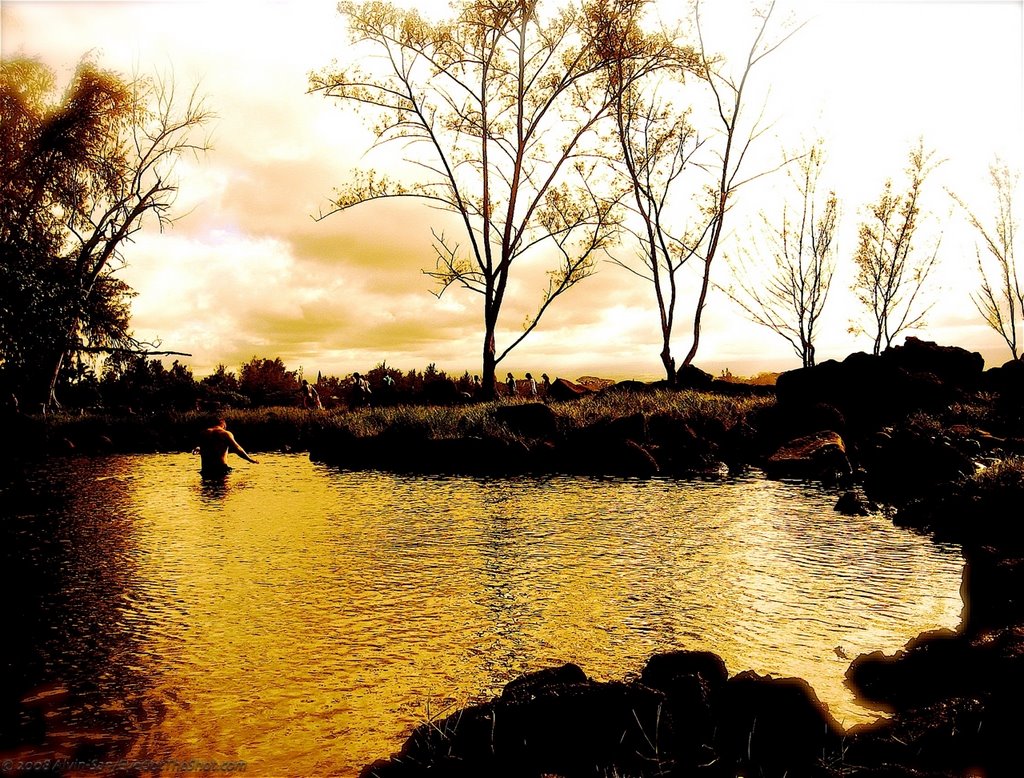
785 286
79 179
501 105
1000 299
656 144
659 143
891 272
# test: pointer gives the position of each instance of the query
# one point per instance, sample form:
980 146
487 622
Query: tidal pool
302 619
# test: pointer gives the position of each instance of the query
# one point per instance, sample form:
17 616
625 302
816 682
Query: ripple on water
295 617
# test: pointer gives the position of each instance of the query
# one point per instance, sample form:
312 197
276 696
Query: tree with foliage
1000 300
502 105
784 285
78 177
679 219
891 271
268 382
132 381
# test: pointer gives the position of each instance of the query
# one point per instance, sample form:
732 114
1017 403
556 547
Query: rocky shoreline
923 430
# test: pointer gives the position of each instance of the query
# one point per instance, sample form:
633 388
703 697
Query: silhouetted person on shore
214 444
510 382
533 385
310 396
362 387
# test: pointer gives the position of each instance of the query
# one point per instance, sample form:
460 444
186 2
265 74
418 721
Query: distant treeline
137 384
134 383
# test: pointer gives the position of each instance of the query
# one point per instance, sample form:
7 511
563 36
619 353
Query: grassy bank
292 429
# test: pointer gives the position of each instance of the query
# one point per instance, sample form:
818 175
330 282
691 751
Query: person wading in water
214 444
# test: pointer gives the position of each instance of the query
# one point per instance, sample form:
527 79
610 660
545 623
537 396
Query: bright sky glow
249 272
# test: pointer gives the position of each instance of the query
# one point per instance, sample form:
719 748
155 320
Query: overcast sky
249 272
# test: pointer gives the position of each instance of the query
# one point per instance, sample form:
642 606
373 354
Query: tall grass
688 405
287 428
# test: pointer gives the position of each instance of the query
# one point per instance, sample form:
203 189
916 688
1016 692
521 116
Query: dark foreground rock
870 391
684 716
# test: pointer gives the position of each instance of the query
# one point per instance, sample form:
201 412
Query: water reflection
302 620
213 488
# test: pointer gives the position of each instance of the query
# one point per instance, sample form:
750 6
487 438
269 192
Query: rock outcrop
683 716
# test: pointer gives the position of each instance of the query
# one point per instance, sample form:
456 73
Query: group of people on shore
363 394
531 388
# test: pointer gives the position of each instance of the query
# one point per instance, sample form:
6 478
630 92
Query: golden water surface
303 620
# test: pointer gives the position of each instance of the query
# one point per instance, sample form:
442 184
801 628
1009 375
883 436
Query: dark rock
689 681
628 458
333 447
662 671
620 429
950 364
677 447
772 727
532 420
910 461
932 666
869 391
608 449
553 724
978 511
530 685
933 741
441 392
474 456
1007 378
561 389
692 377
855 504
818 456
992 589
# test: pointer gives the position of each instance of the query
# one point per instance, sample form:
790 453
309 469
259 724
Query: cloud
248 271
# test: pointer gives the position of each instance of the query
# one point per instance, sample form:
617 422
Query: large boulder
932 666
772 727
587 455
692 377
821 456
871 391
678 447
906 462
689 680
562 389
1008 377
531 420
952 365
553 722
854 503
1007 382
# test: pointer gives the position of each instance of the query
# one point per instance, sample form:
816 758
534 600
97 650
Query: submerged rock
855 504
